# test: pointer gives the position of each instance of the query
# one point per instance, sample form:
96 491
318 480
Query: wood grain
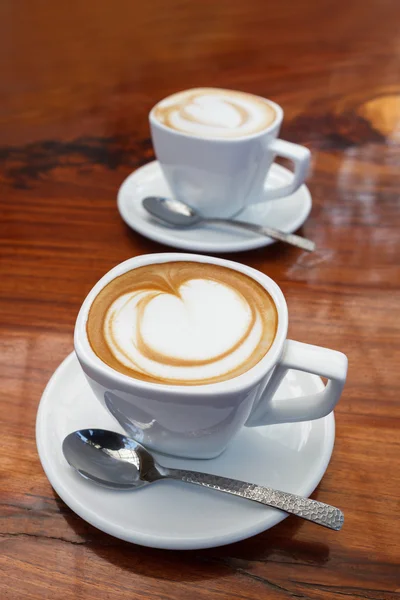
77 80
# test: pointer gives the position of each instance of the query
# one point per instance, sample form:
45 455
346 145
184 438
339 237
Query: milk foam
207 331
182 323
209 112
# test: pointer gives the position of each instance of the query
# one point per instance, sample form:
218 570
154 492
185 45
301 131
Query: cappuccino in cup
215 113
184 350
215 148
182 323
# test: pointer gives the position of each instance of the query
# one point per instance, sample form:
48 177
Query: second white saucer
170 514
286 214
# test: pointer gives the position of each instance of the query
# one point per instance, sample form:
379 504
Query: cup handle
300 157
311 359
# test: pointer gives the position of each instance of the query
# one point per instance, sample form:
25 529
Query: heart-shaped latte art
206 329
182 323
205 321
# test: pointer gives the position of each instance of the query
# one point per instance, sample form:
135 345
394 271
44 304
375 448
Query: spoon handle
275 234
312 510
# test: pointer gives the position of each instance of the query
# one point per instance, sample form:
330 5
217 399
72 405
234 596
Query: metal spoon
178 214
119 462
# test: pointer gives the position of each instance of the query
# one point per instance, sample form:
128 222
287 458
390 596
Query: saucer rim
169 237
177 543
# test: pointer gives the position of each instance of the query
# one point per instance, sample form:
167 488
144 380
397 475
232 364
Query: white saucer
175 515
287 214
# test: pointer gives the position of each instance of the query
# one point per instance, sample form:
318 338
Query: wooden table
77 81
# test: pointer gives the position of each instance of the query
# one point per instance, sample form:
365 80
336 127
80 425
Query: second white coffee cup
220 177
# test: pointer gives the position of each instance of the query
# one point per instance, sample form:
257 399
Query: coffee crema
182 323
215 113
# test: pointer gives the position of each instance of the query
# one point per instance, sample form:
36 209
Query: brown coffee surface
213 112
148 283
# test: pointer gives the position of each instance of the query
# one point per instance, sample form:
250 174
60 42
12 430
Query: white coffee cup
221 176
199 421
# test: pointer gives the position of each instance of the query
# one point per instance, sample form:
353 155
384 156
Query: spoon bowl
107 458
171 211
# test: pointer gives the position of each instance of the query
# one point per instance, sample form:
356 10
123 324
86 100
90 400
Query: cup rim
91 362
277 121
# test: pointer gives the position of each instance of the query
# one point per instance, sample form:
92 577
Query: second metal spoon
178 214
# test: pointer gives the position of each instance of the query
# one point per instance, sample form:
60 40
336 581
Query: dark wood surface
77 80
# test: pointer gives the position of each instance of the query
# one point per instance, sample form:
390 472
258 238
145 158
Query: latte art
182 323
210 112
